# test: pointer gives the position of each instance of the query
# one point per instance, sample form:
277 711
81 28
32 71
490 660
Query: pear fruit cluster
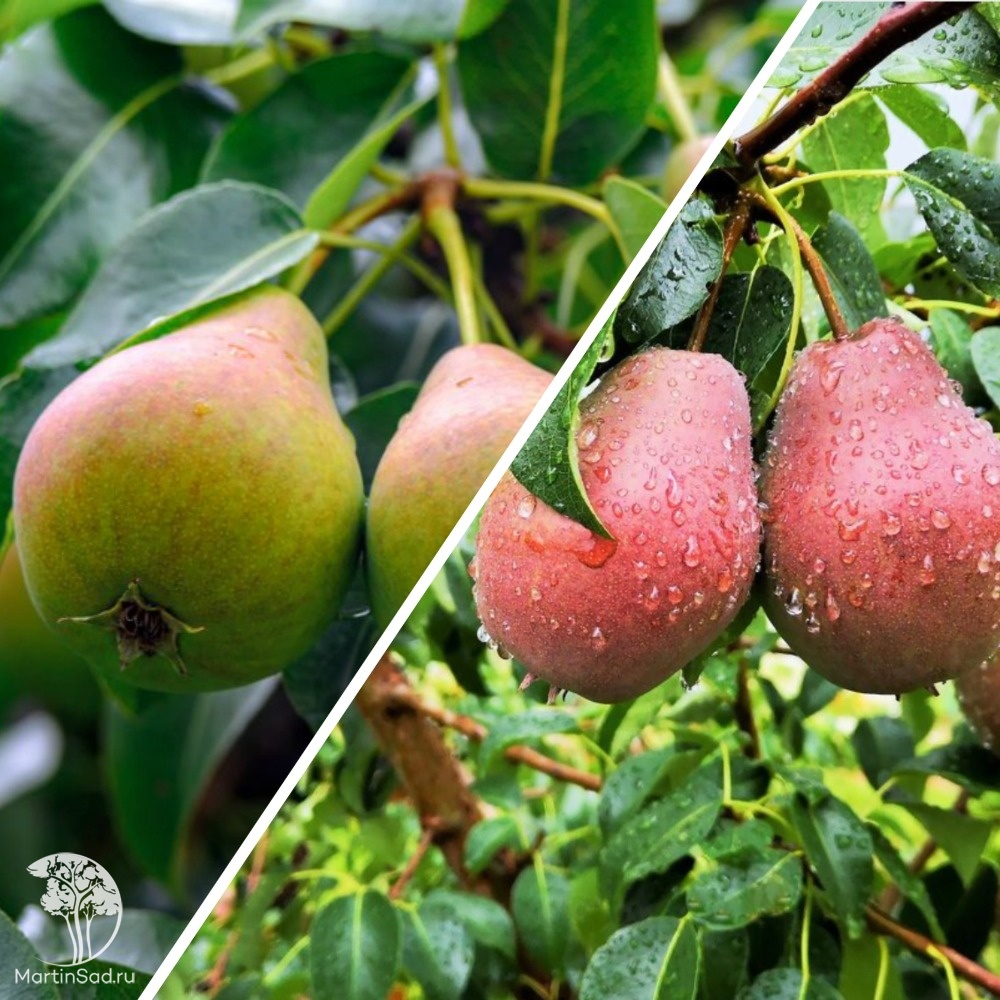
612 618
188 511
880 503
468 411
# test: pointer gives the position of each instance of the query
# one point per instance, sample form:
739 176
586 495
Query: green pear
33 662
188 511
471 406
683 158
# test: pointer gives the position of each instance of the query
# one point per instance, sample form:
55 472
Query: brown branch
743 709
412 865
736 227
899 25
882 923
519 754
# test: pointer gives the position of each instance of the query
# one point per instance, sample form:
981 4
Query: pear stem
736 227
451 154
443 223
821 281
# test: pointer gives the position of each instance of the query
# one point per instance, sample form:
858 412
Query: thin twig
743 709
899 25
736 227
398 887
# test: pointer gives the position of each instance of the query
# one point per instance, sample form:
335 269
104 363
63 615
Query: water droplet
686 416
940 519
927 574
983 563
201 408
832 607
961 474
830 376
724 582
673 493
598 640
587 434
850 531
992 475
893 524
239 351
793 603
692 552
812 623
675 595
598 552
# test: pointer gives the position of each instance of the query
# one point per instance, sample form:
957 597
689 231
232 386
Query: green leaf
505 731
374 421
94 131
109 989
962 52
861 970
958 195
561 88
660 834
655 959
738 840
629 786
16 16
292 139
966 764
985 354
952 338
855 133
178 21
355 947
853 276
159 760
202 245
786 984
487 838
725 955
909 883
547 464
733 895
880 743
838 847
674 282
16 954
540 905
960 836
925 112
437 949
486 920
404 20
635 209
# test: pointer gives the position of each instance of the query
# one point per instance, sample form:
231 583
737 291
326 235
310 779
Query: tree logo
80 890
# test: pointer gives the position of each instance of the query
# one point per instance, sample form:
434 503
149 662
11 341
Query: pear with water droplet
665 459
882 523
979 695
188 511
470 407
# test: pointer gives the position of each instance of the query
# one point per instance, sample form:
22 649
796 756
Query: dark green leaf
374 421
880 744
487 838
661 833
675 281
967 764
960 836
733 895
177 21
355 947
724 963
961 52
951 336
786 984
486 920
656 959
857 133
839 849
547 464
120 984
909 883
851 270
94 132
925 112
815 694
296 136
733 840
985 353
635 209
959 197
629 786
561 88
16 954
200 246
159 760
505 731
540 904
437 949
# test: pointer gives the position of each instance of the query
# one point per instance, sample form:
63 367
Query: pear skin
882 516
188 511
470 407
979 695
665 458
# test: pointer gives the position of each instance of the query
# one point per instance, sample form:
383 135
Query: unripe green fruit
979 695
683 158
473 403
664 446
33 661
188 510
882 522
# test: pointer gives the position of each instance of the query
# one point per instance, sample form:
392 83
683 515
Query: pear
665 459
188 511
882 521
470 407
33 662
683 158
979 695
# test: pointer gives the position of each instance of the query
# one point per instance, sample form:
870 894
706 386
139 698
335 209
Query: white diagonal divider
463 523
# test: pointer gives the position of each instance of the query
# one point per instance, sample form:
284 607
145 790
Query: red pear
664 447
882 516
979 695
